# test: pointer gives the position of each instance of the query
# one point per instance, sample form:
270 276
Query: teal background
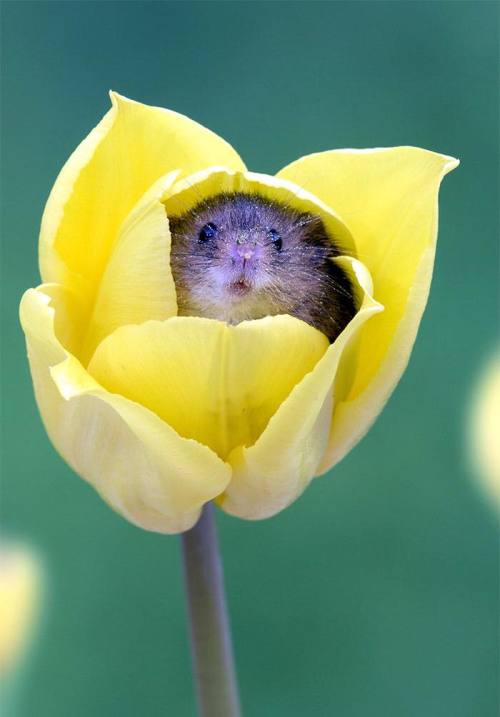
376 592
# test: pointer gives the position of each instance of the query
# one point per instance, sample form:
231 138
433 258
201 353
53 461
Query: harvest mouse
239 256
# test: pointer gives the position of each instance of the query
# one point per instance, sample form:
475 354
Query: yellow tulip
163 413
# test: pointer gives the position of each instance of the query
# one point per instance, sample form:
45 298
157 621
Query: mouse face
239 256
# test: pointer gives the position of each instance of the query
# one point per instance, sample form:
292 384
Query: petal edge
139 465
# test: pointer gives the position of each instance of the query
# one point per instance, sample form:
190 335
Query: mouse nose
245 249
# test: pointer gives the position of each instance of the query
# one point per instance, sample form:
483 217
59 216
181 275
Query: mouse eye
208 231
275 238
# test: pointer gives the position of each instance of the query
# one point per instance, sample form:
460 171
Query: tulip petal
271 474
388 198
112 168
216 383
139 465
137 284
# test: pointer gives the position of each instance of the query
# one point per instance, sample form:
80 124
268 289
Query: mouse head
241 256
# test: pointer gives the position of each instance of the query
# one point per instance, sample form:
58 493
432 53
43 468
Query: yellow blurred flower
484 428
162 413
19 597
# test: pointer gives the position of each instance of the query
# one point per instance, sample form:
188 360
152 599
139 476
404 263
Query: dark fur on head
238 256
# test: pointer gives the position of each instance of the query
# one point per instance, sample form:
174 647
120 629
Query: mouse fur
239 256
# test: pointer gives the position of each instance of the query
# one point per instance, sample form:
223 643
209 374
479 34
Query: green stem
210 634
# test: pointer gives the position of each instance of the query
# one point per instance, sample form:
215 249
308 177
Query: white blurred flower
20 582
485 427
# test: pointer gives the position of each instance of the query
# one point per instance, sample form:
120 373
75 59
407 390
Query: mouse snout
245 253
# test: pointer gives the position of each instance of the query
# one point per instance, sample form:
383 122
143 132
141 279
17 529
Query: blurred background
376 593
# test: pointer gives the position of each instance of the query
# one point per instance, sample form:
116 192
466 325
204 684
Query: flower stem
211 647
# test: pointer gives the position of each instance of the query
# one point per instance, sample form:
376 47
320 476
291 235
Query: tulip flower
164 413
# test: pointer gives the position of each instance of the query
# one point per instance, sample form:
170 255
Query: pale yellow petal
388 199
216 383
114 166
138 464
137 283
273 472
